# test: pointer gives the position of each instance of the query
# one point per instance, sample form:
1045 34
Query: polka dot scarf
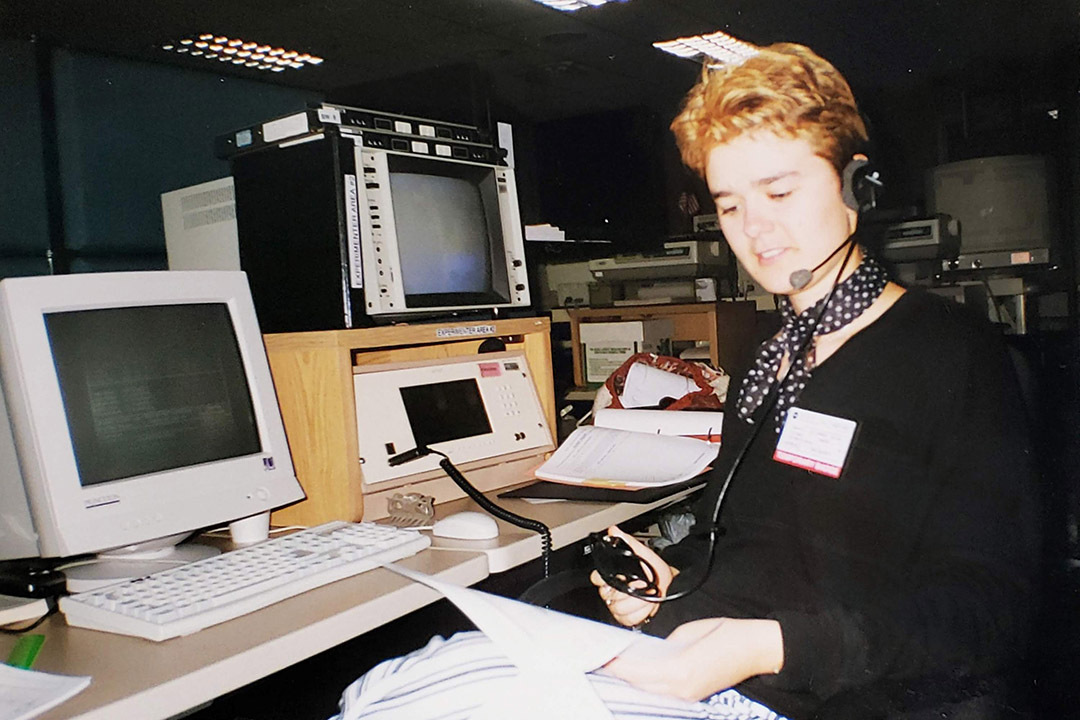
848 301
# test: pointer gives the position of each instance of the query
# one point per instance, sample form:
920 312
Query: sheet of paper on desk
549 648
603 457
25 694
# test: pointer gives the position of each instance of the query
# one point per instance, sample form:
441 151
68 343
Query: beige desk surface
568 521
136 679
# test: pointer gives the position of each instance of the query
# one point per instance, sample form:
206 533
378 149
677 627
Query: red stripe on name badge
813 466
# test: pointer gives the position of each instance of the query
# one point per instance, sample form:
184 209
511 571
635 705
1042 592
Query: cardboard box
609 344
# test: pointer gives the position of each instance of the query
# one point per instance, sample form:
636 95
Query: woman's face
781 210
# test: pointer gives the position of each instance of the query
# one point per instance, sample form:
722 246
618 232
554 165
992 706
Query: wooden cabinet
313 375
728 326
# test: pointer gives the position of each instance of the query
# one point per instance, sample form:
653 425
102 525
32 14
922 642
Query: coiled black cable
502 513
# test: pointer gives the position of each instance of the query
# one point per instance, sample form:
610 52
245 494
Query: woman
919 558
881 524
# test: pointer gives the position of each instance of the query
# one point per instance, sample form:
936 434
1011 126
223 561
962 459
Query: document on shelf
545 231
25 694
550 649
605 457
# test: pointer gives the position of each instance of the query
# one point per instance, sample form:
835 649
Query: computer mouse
467 525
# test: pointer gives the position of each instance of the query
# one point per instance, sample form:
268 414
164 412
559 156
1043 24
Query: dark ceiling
548 64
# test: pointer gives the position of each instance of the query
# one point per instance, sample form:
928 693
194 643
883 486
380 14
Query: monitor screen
147 389
448 233
444 411
432 211
1003 203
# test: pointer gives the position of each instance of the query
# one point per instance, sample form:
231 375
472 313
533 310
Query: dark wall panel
129 131
603 176
23 221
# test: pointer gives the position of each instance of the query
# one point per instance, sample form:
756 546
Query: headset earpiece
860 184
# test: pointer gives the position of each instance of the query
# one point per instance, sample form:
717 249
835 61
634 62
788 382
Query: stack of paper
605 457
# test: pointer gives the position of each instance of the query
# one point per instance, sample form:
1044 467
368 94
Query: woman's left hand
711 655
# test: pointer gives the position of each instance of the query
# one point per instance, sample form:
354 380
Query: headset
860 184
615 561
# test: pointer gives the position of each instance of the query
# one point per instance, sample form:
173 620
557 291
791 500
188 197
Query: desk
135 679
568 522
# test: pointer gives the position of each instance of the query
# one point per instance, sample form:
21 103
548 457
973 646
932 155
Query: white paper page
577 643
545 231
663 422
646 386
25 694
617 458
549 648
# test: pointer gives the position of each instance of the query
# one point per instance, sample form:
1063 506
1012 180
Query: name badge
815 441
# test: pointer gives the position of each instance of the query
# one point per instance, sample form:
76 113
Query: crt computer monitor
386 218
139 408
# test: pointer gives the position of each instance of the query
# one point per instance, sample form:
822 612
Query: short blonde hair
785 89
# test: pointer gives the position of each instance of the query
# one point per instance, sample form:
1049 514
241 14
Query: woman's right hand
627 609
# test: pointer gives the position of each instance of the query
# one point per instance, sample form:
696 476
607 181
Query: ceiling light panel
571 5
718 47
243 52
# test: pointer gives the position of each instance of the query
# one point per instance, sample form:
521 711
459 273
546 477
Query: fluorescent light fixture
719 47
246 53
571 5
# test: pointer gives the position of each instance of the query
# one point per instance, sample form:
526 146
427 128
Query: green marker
25 651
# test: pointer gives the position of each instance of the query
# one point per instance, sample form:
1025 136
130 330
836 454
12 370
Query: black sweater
921 557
